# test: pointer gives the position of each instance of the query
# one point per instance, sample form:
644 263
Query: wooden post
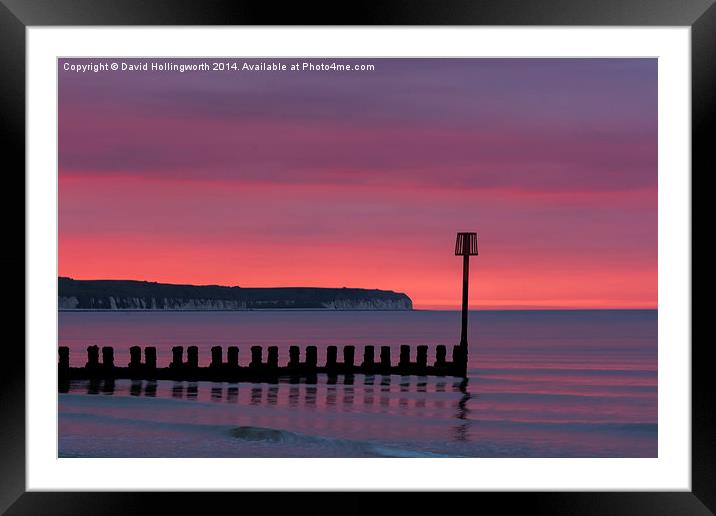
216 358
331 358
64 364
256 357
349 353
459 362
177 357
272 360
293 357
150 359
368 358
385 358
311 358
192 357
92 357
440 354
404 362
232 357
135 357
108 359
422 358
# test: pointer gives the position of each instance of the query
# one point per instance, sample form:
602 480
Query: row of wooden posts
220 369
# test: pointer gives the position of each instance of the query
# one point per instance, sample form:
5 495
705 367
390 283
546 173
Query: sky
362 178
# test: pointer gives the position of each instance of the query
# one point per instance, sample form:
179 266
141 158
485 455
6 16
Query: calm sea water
541 384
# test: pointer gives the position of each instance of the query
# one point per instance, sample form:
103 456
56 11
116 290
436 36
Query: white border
671 470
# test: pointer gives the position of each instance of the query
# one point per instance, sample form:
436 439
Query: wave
272 441
274 435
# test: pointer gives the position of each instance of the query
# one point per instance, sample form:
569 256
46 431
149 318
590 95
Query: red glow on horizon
363 180
401 240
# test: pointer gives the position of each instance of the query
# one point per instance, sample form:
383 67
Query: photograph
425 251
302 257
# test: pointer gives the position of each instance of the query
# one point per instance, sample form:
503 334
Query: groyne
261 366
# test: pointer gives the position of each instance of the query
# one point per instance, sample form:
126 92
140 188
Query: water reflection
178 390
385 383
331 395
232 394
192 391
108 386
93 386
216 393
311 395
150 388
63 386
461 429
135 389
415 396
256 394
348 396
293 396
272 397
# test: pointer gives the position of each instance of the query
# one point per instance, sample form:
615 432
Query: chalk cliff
143 295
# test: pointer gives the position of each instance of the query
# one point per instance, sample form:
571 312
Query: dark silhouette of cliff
144 295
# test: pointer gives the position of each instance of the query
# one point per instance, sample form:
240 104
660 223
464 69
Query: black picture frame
17 15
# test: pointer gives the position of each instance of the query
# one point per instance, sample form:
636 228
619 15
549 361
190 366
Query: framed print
439 249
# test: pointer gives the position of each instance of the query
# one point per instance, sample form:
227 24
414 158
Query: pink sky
362 180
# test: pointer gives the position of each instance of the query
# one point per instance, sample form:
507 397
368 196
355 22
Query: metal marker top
466 244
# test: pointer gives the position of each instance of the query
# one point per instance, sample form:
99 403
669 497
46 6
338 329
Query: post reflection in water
385 383
421 387
178 390
398 396
135 389
192 391
348 396
293 393
256 394
331 394
272 396
216 393
150 388
93 386
232 394
461 429
108 386
368 389
311 395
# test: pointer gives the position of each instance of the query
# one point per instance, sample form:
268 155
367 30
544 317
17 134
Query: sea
541 383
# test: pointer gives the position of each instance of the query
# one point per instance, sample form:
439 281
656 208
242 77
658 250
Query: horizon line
427 307
537 308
